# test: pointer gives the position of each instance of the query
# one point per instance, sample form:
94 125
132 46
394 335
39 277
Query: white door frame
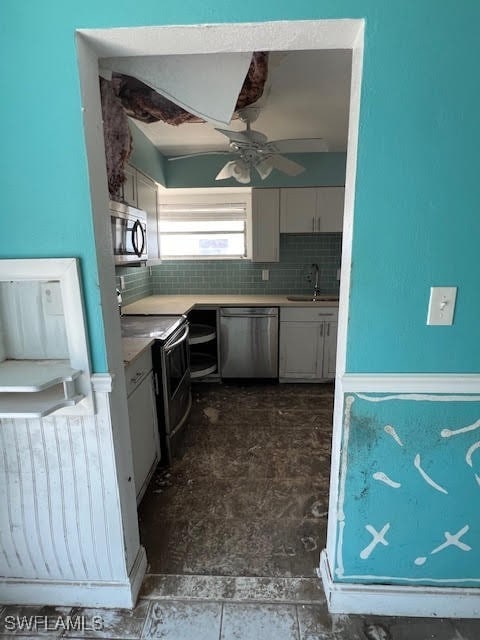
221 38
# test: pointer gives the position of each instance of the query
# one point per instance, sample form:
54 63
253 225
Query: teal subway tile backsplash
290 275
137 283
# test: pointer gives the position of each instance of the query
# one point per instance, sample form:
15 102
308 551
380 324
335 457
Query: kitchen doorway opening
321 34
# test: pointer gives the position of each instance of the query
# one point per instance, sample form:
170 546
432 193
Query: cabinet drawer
136 371
308 314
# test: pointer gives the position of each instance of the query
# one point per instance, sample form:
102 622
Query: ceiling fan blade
264 168
226 171
235 136
285 165
301 145
199 153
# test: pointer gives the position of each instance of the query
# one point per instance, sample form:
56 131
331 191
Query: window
203 230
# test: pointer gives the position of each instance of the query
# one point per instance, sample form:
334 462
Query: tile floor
233 535
214 620
249 495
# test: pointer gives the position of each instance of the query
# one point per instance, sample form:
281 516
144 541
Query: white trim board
82 593
280 35
398 600
450 383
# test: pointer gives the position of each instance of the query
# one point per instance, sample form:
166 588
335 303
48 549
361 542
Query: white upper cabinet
265 225
311 210
329 209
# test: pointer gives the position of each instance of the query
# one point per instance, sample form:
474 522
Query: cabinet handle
313 224
328 329
318 224
155 378
321 330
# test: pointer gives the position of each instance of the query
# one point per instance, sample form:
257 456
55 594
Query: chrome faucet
316 288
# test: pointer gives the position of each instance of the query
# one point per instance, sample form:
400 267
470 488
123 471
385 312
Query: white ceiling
306 96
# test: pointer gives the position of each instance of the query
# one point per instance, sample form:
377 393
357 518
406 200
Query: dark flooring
248 495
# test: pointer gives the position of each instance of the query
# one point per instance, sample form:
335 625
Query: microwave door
119 235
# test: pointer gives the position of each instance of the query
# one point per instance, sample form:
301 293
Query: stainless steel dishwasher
249 342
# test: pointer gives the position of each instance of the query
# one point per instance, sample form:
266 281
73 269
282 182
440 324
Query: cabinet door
129 188
265 225
298 210
143 433
301 350
330 350
147 200
329 213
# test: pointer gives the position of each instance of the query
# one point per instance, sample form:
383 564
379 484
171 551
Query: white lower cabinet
308 342
143 421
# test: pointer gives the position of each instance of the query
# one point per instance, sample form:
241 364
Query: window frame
214 197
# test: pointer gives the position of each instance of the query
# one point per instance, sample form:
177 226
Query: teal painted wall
417 193
417 189
321 170
146 157
416 513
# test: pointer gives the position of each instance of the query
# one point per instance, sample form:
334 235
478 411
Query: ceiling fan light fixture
237 169
241 171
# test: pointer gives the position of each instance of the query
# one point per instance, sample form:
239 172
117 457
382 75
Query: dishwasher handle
248 312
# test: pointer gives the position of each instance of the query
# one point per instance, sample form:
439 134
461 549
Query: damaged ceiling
299 94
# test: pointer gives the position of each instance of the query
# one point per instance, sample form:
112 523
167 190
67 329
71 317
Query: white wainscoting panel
60 510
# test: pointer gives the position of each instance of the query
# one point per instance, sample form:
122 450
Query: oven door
176 373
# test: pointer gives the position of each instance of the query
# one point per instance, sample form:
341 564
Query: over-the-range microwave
129 233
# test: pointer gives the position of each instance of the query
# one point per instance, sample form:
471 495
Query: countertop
133 347
178 304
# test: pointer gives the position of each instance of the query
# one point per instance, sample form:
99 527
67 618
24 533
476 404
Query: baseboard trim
398 600
80 593
137 574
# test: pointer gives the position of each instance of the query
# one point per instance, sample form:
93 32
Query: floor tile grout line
298 622
221 623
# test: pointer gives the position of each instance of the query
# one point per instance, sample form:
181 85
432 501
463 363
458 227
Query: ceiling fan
254 151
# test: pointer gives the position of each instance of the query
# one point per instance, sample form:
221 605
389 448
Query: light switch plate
265 274
442 305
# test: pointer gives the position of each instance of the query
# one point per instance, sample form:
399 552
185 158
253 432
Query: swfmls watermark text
53 623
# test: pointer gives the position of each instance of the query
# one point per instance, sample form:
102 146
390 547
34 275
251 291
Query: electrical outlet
338 274
265 274
122 283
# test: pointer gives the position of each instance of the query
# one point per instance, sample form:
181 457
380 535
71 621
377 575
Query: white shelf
202 364
33 376
36 405
201 333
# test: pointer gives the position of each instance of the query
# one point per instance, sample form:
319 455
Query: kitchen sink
306 298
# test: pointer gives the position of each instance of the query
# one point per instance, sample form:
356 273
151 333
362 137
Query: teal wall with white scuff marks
402 438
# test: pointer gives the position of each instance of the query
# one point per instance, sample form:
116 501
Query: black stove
158 327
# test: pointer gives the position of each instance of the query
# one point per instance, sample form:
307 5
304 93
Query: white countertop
179 304
133 347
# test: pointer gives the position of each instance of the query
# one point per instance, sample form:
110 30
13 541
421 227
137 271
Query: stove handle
170 347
